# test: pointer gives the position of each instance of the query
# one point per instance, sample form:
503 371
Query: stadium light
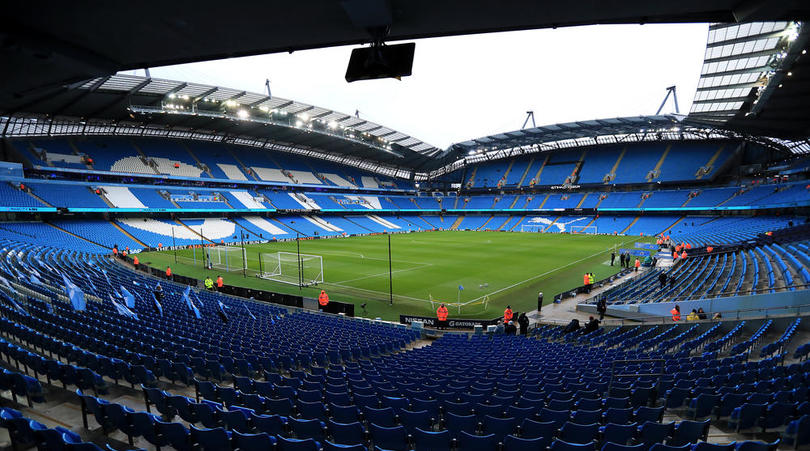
243 114
333 125
298 123
264 108
304 117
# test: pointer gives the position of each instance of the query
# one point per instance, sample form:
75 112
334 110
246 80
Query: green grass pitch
504 268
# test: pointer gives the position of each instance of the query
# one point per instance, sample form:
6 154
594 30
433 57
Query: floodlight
332 125
298 123
243 114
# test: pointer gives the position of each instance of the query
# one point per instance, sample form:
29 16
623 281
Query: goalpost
590 230
535 228
228 258
286 267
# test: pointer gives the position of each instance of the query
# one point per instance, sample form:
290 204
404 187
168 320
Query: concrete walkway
566 310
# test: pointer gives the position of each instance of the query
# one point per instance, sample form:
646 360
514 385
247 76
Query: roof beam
753 37
720 59
752 84
723 99
119 98
204 95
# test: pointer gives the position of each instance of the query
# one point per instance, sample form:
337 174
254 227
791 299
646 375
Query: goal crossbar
292 268
228 258
591 229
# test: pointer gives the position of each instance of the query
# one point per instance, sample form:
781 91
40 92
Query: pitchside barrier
452 323
597 284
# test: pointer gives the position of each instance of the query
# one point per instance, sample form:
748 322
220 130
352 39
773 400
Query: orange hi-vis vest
676 315
135 260
168 272
683 255
638 263
441 313
507 315
219 282
323 299
585 279
115 251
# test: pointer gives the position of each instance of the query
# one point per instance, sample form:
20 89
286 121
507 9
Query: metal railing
732 315
700 297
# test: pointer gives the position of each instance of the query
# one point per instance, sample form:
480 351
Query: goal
537 228
228 258
286 267
590 230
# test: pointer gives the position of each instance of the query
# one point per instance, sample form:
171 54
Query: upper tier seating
197 160
633 163
12 196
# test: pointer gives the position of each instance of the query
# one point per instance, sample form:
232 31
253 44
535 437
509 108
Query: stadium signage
565 186
431 321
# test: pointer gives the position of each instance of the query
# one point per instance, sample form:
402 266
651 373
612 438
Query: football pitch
492 268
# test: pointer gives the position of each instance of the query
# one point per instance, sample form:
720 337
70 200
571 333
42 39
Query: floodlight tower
529 115
670 90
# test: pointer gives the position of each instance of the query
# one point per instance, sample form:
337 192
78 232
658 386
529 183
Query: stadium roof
756 78
596 132
228 114
46 44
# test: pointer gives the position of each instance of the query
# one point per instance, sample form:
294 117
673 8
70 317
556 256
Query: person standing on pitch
209 283
220 282
612 257
507 314
323 300
441 317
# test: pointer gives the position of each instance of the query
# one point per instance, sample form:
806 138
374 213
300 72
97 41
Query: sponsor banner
635 252
462 323
650 246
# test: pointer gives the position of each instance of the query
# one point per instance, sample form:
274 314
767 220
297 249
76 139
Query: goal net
286 267
591 230
228 258
533 227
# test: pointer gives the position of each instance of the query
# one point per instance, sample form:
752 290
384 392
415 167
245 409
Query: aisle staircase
132 237
525 173
631 225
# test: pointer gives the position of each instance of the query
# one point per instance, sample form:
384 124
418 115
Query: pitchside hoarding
431 321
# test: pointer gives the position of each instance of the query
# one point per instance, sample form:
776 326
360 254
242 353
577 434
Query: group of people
588 280
591 326
209 283
679 251
505 325
694 315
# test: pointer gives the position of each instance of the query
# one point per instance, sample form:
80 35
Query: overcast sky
470 86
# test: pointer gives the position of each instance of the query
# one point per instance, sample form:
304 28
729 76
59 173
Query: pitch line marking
425 265
542 275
